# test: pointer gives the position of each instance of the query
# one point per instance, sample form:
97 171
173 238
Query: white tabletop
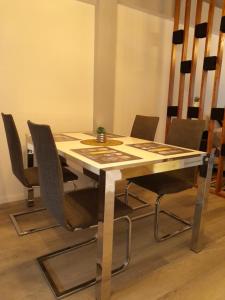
65 149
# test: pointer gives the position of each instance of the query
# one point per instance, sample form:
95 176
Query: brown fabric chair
76 210
182 133
144 127
27 176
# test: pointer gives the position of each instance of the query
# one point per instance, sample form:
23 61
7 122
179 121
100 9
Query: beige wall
142 67
104 71
46 59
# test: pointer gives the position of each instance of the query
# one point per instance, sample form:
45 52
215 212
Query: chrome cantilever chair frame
156 213
62 294
30 203
126 195
187 224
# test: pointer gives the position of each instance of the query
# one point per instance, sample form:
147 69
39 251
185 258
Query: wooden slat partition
211 63
206 54
173 60
184 57
194 55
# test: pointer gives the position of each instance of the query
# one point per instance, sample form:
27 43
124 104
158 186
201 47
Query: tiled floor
167 270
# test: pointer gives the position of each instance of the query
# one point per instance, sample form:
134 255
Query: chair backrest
15 149
144 127
186 133
49 169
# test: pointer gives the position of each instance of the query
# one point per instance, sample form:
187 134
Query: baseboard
11 198
83 182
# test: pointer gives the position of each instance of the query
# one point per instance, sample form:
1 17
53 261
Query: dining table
121 158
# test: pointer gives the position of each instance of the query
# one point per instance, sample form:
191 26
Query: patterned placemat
63 138
159 148
93 142
105 155
108 135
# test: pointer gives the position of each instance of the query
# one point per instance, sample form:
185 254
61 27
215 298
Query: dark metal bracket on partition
178 37
185 67
210 63
201 30
193 112
217 114
172 111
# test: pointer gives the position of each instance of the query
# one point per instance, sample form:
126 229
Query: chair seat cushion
90 174
166 183
68 175
31 175
81 208
63 161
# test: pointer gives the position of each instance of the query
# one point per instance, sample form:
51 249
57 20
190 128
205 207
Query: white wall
46 59
104 70
142 67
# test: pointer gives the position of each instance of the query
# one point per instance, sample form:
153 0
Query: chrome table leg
105 233
201 204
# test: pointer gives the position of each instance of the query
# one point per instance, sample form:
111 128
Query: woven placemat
93 142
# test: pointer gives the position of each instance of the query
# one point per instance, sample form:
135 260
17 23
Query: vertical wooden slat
173 60
184 57
207 53
194 55
214 104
